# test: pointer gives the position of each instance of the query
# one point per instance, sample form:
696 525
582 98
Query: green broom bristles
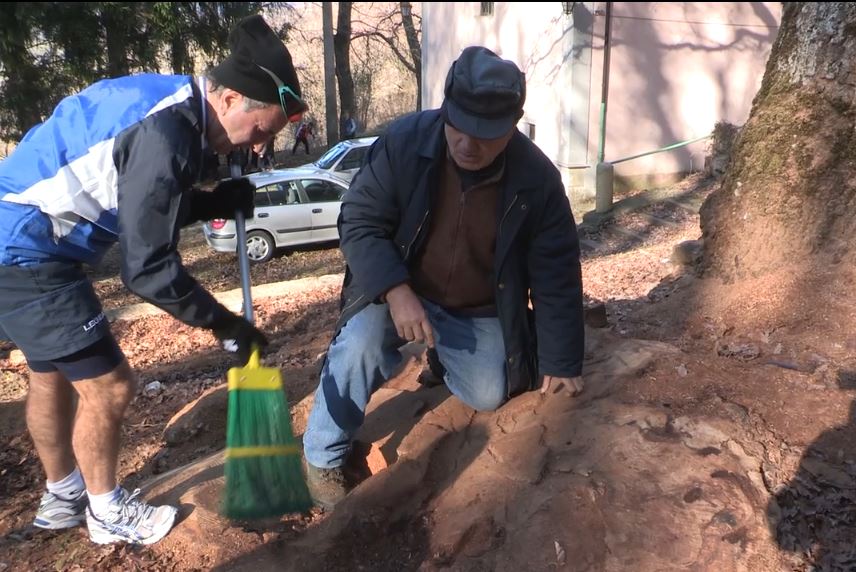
264 476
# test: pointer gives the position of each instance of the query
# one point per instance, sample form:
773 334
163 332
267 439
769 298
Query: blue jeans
365 354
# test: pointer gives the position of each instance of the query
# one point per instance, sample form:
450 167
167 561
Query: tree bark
20 84
414 47
411 57
332 125
342 46
789 195
116 32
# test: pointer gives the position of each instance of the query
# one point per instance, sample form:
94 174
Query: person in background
266 154
118 162
348 129
305 131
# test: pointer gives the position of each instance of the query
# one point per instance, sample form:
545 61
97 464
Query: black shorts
50 311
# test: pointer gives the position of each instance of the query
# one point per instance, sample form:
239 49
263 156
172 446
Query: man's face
235 126
472 154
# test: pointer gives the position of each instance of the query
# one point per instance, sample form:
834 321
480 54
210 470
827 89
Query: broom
264 476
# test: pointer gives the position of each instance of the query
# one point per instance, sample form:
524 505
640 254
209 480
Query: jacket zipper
416 235
498 235
505 214
351 305
462 203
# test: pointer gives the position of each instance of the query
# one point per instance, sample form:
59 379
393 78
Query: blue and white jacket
114 163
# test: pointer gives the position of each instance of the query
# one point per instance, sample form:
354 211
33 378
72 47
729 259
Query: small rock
197 415
16 357
682 370
743 351
737 411
153 388
687 252
846 378
693 495
160 462
595 316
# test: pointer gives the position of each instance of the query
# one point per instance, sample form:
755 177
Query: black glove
226 198
239 336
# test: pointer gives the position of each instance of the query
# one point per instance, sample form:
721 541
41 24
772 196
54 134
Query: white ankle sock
71 486
100 504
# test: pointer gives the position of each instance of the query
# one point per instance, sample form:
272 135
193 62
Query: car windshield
329 158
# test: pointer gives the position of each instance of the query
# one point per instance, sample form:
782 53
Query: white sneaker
131 520
56 512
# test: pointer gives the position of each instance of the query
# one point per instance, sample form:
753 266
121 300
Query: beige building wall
674 70
531 35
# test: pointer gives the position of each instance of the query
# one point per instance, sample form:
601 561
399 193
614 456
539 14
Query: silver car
293 207
344 158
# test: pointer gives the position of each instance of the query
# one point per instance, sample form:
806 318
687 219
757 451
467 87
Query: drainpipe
604 92
604 172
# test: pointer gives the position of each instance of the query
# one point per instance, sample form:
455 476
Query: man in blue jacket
117 163
453 225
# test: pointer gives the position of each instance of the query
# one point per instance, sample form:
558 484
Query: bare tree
400 30
415 47
342 47
329 73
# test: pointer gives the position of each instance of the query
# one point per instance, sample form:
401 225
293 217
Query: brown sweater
455 267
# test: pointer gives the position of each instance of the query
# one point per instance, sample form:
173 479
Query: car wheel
260 246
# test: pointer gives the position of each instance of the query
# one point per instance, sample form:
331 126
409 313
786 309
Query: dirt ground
730 446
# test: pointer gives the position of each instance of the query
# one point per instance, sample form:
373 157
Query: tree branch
395 50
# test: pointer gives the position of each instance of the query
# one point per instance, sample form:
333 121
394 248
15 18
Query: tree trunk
116 32
20 80
332 125
789 195
178 57
342 46
414 47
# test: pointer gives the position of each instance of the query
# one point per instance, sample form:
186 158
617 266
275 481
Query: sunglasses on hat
294 108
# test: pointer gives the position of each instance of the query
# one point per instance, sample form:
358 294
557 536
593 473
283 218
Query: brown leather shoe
327 487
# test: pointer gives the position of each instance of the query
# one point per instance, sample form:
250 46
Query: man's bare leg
98 425
50 415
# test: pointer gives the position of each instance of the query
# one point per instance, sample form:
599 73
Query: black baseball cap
484 94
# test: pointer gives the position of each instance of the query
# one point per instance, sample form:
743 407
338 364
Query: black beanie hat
257 56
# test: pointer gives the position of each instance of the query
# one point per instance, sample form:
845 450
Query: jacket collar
434 144
517 175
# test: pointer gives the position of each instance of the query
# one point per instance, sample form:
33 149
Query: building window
487 8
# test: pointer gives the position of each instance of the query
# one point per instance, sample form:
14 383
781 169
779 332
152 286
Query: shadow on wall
651 86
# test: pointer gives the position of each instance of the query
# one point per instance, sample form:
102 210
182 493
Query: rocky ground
715 432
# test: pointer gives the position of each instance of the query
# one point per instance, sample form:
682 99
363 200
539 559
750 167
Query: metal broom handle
243 258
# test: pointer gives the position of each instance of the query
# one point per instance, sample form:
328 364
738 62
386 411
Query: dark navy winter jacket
385 215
